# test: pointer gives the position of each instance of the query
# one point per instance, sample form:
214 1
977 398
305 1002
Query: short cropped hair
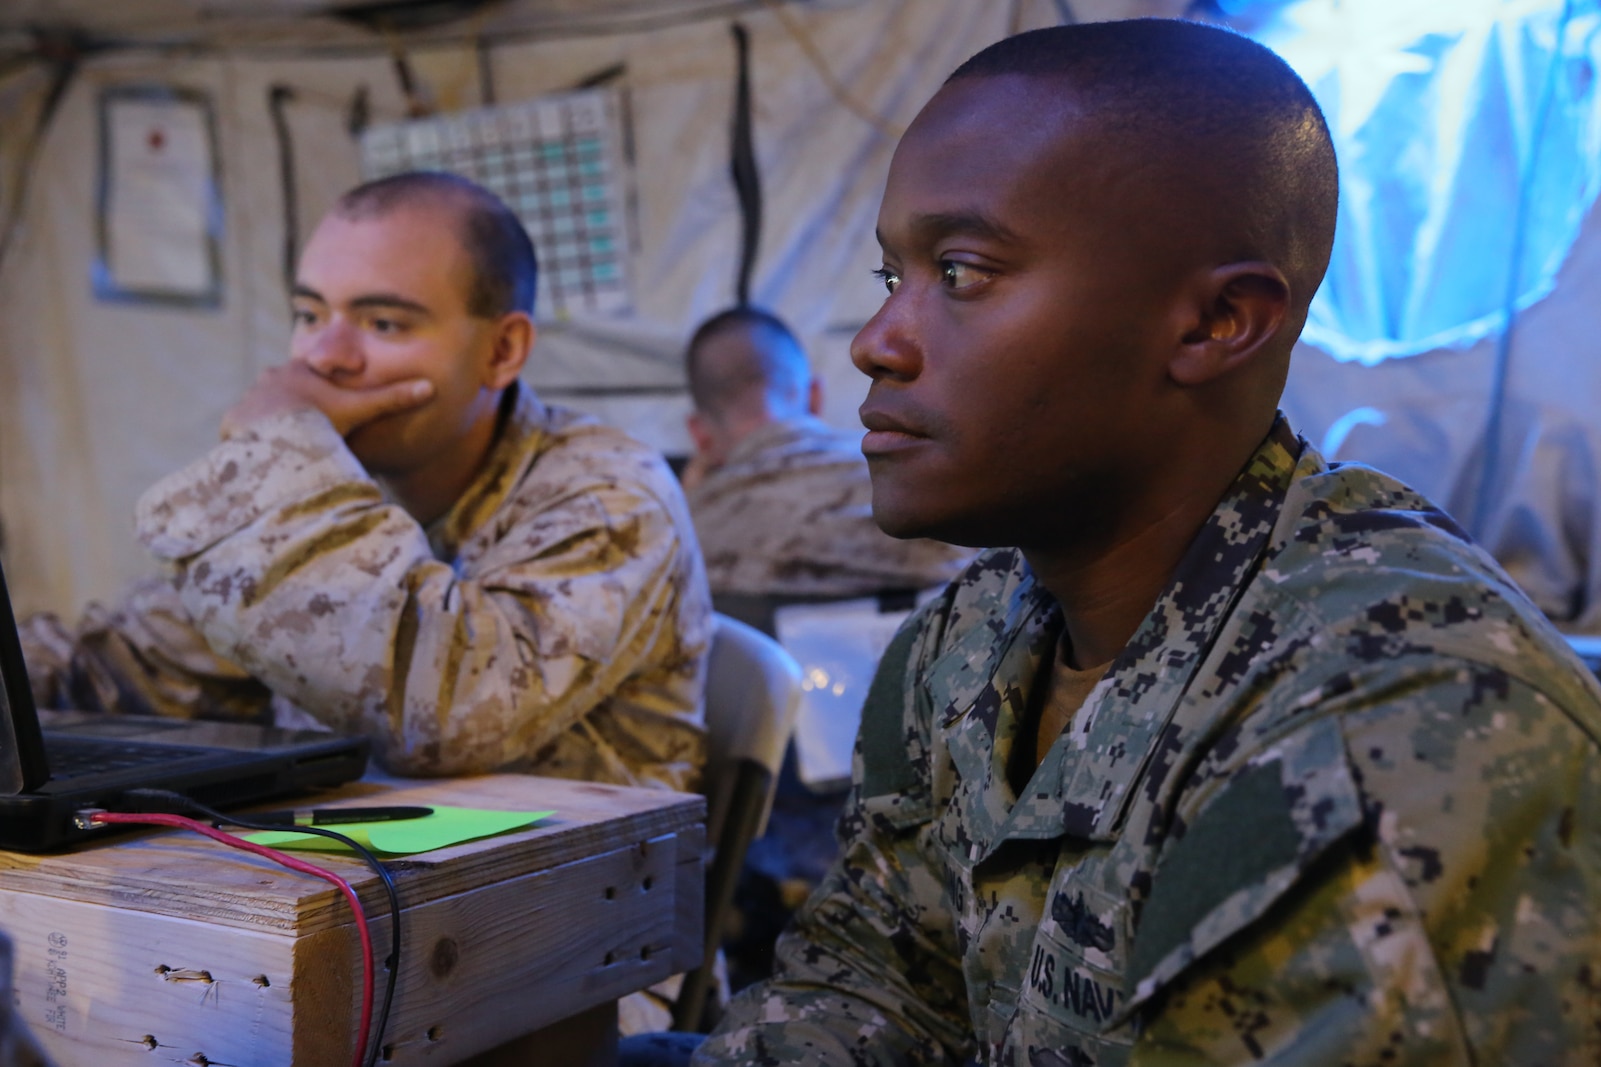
504 266
777 365
1188 94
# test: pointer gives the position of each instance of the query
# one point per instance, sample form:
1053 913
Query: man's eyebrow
387 301
939 224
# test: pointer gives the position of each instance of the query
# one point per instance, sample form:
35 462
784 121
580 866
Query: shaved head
504 270
744 360
1230 156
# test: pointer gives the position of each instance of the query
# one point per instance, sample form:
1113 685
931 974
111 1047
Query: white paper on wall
159 211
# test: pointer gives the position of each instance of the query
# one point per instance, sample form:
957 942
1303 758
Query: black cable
392 962
742 167
278 97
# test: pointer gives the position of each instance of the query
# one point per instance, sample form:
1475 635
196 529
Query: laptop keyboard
77 757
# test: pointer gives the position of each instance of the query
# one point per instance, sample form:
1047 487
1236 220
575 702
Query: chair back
753 688
838 645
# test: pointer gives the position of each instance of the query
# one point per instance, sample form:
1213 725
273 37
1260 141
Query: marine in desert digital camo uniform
784 511
781 500
791 514
541 609
1233 758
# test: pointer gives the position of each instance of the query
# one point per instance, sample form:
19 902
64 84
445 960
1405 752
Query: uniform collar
982 684
778 434
523 421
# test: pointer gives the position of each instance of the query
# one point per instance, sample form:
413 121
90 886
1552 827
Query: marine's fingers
352 408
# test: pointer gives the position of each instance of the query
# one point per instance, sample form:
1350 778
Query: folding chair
752 690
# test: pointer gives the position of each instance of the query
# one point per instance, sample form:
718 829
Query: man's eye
302 317
955 275
888 277
387 326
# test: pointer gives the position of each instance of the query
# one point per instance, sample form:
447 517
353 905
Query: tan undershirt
1065 692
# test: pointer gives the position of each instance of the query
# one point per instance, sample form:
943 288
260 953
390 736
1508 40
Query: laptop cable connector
84 819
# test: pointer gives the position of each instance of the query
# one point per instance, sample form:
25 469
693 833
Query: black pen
336 816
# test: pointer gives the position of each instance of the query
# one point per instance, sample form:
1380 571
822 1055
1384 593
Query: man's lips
887 433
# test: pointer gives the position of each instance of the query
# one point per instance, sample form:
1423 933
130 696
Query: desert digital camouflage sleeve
563 636
142 656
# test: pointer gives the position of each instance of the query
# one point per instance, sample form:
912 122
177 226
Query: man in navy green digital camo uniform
1228 756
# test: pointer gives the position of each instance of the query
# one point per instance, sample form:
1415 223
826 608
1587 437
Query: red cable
293 863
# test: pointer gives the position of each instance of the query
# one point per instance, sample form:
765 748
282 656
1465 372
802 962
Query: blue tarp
1439 111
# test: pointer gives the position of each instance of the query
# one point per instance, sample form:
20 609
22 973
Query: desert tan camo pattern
791 514
1338 802
555 620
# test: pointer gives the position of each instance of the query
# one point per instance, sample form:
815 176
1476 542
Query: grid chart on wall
557 162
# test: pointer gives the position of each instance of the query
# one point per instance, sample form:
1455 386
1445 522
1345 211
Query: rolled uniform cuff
277 461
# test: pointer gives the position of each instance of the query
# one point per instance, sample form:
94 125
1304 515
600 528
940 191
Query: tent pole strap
747 178
278 98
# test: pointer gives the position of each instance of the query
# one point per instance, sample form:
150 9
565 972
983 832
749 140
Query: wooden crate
168 943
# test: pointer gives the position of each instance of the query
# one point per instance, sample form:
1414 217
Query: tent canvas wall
100 398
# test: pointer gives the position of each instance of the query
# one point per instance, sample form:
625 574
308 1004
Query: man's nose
333 350
887 347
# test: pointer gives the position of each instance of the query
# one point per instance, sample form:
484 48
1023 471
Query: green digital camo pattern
791 514
555 620
1337 802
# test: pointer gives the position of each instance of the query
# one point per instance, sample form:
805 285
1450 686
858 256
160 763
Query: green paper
405 837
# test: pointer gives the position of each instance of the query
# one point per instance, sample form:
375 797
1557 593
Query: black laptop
56 764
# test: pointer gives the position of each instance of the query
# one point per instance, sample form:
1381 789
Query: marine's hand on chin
293 386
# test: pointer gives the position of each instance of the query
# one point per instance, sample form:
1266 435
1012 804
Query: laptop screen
22 761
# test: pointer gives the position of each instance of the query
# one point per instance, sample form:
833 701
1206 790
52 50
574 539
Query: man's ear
704 435
1235 311
514 339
